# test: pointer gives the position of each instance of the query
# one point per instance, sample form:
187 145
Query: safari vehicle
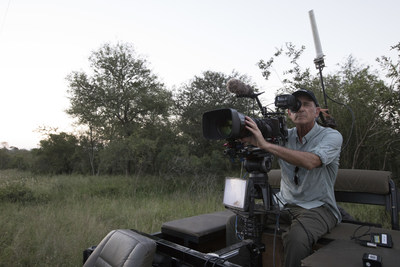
200 240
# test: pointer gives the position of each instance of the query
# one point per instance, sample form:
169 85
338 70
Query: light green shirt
315 187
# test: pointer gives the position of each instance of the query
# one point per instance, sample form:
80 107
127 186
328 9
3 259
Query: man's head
308 111
307 93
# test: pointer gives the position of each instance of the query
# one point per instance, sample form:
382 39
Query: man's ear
318 110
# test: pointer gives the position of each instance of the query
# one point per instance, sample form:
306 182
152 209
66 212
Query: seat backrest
360 186
125 248
367 181
353 180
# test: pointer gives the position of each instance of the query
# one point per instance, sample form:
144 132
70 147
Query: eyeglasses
296 177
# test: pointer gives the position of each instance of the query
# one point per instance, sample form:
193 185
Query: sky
43 41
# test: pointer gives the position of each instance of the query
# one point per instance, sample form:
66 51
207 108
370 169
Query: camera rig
230 124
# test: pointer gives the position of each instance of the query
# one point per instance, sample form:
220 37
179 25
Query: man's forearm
302 159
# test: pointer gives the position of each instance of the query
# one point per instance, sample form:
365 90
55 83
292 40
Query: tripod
260 202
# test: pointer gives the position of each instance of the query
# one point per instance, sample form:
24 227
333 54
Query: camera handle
255 96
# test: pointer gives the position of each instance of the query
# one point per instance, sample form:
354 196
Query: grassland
49 220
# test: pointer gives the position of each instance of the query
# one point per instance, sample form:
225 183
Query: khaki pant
303 228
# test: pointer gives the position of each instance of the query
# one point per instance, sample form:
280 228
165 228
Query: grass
50 220
368 213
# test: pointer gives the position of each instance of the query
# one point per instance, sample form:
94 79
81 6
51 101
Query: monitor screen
235 193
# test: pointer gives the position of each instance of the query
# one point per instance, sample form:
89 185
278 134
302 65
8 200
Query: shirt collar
309 135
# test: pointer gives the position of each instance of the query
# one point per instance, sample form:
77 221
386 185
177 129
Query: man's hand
329 120
298 158
256 138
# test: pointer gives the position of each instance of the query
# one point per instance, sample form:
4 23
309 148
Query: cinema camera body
229 124
243 196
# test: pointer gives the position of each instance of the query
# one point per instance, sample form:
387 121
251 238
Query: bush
19 192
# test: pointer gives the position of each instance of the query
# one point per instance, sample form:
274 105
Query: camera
242 195
230 124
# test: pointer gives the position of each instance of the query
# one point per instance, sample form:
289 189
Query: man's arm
302 159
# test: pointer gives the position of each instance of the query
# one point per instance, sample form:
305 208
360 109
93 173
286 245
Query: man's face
306 114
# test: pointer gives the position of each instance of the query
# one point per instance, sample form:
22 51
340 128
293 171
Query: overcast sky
42 41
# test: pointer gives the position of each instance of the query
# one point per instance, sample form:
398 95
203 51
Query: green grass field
49 221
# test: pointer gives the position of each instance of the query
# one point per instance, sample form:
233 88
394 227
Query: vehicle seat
125 248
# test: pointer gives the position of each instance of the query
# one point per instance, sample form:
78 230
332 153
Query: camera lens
225 128
230 124
223 123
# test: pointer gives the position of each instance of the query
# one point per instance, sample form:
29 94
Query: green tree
391 109
121 96
91 146
365 92
373 138
57 154
14 158
21 159
205 93
5 159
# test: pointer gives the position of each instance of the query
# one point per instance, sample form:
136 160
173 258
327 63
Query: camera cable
274 242
295 218
352 119
357 239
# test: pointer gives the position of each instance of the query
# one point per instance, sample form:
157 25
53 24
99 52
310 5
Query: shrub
19 192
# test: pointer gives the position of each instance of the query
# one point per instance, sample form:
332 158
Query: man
309 163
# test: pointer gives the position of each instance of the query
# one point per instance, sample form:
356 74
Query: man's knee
297 236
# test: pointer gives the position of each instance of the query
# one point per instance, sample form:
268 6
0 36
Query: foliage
4 158
120 96
58 154
120 99
15 158
134 125
205 93
372 140
374 134
391 107
392 68
18 192
79 211
76 212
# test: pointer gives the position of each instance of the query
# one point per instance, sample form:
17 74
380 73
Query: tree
14 158
203 93
365 93
120 98
58 154
91 145
5 158
370 145
391 109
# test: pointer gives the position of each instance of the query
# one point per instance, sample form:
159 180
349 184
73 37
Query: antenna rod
319 60
317 41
